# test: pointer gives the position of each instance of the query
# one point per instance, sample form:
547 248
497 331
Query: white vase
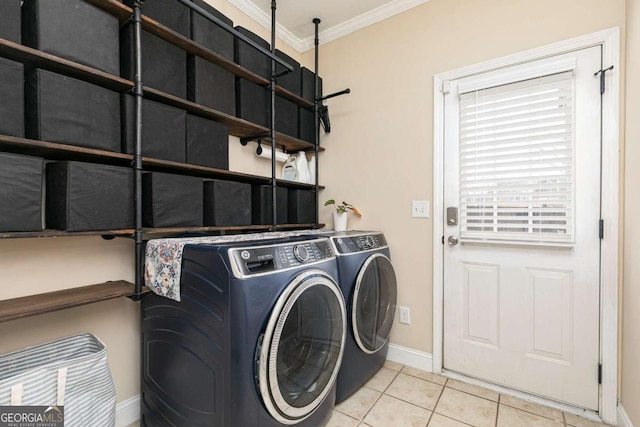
340 221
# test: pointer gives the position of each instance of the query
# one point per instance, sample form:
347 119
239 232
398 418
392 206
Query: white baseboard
410 357
623 417
128 411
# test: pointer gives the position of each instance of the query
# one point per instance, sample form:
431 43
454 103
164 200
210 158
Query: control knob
301 253
368 242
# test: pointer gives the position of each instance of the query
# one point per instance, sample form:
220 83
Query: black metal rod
137 159
242 37
274 182
316 116
333 95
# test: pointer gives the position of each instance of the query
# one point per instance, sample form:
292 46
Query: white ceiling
339 17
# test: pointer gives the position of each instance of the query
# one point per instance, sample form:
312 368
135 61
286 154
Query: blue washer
256 341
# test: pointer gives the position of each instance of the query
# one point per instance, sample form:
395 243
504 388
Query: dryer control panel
256 260
359 243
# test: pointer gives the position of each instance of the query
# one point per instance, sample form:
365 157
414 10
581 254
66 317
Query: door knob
452 241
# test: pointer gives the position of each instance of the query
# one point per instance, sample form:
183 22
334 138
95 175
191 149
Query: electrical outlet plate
405 315
420 209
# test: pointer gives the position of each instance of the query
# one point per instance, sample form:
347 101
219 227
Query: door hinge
446 87
602 75
601 228
600 373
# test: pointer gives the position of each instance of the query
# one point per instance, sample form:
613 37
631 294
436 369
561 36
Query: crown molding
354 24
264 19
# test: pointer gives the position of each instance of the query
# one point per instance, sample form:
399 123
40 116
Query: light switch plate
420 209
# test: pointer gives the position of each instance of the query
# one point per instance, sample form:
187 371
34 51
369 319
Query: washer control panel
250 261
359 243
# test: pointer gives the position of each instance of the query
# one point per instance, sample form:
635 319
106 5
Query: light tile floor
400 396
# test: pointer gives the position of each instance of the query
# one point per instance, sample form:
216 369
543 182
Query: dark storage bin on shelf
289 81
262 203
253 102
227 203
170 13
163 132
302 206
20 193
210 35
10 20
208 83
211 85
286 117
306 117
307 84
164 66
72 29
307 125
207 143
70 111
171 200
12 96
87 196
249 57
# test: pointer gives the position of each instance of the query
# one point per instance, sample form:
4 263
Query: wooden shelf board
183 230
169 166
300 101
59 233
298 185
55 151
36 58
298 226
18 308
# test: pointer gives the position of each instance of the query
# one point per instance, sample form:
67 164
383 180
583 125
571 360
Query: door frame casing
610 41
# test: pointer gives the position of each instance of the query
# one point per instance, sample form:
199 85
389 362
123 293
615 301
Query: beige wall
379 154
631 296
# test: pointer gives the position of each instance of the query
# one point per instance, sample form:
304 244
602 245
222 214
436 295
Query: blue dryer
368 282
256 341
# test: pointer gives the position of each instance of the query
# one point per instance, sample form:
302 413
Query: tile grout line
437 401
498 409
383 393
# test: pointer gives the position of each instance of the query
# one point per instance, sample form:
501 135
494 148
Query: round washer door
302 347
374 303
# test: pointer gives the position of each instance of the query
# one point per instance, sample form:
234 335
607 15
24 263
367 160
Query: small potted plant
340 215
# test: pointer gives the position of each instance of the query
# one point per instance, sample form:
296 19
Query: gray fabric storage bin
12 96
164 66
170 13
76 365
72 29
262 203
211 85
171 200
227 203
10 20
20 193
207 143
164 129
71 111
88 196
210 35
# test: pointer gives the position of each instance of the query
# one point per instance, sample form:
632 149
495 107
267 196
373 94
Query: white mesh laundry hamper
70 372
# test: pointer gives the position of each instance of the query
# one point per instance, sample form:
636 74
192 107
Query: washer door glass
302 347
374 303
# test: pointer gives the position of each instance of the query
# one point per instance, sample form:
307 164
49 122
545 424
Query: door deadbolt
452 215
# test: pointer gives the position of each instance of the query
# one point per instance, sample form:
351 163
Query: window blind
516 161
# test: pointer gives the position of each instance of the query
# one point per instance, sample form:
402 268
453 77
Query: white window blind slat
516 162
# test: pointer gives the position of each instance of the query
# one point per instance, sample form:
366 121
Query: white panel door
521 263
